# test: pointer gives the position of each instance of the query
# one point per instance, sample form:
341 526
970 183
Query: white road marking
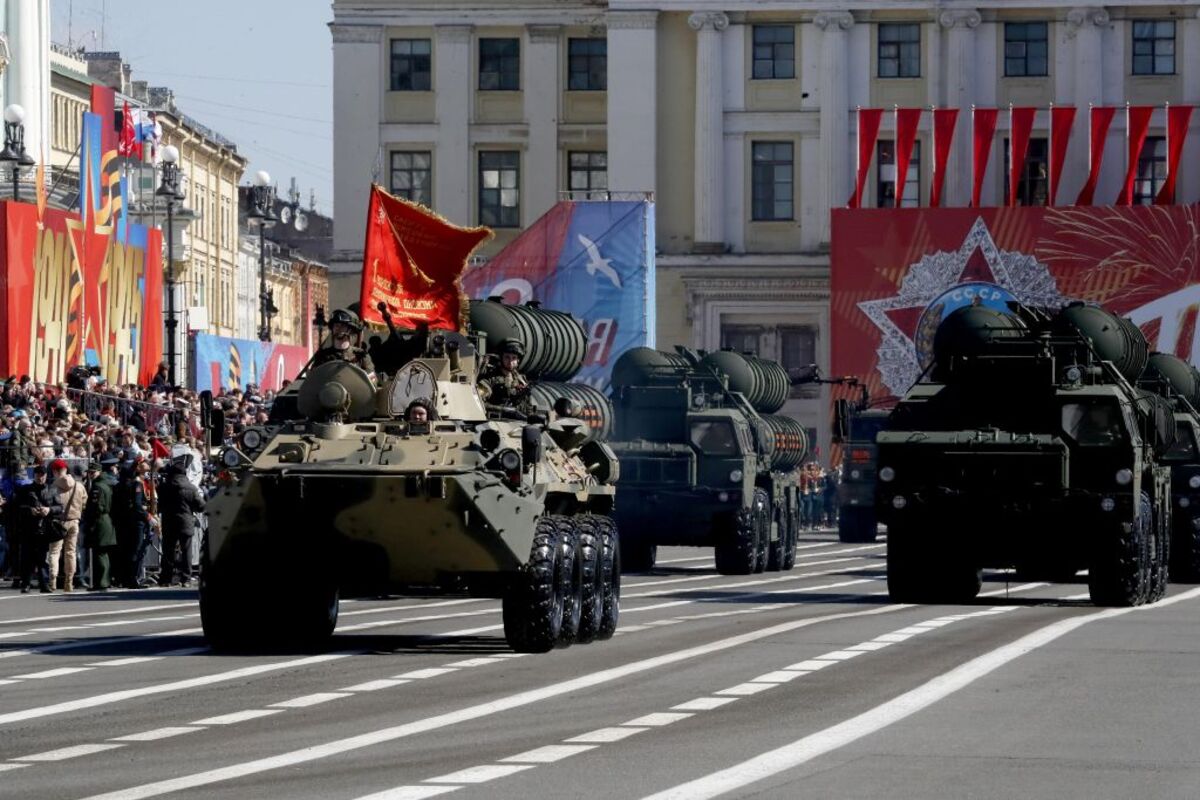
69 752
745 689
238 716
869 646
841 655
79 644
1024 587
114 612
703 704
778 676
604 735
481 774
51 673
473 662
410 793
7 767
374 686
310 700
549 754
811 665
419 674
837 736
656 720
156 734
892 638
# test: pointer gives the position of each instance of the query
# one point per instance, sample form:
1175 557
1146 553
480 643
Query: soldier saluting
345 331
502 383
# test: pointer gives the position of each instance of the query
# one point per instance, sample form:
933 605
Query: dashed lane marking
411 792
68 752
548 754
157 733
703 704
655 720
604 735
238 716
483 774
310 700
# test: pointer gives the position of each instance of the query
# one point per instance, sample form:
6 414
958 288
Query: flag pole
1050 159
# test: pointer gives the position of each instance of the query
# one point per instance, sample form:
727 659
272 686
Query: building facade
739 116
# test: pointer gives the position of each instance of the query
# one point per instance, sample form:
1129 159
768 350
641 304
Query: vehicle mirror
841 420
531 444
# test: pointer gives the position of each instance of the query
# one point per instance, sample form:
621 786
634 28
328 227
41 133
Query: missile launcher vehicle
1029 445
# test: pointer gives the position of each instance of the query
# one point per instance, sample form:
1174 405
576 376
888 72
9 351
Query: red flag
1061 120
983 123
1178 118
907 120
1101 118
413 262
1020 122
128 145
868 132
158 449
1137 123
944 120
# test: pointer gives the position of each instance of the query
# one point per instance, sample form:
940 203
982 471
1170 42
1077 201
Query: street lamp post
169 190
14 145
262 212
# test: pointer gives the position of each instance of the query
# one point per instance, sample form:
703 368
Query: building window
411 71
1033 189
741 338
412 176
499 65
900 50
1154 47
1152 170
499 196
798 351
771 180
588 174
587 65
774 52
1026 52
886 188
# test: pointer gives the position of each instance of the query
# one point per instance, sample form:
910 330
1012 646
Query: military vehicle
856 424
1179 382
343 495
1028 446
704 460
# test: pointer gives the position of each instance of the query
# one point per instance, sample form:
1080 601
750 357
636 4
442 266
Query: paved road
782 685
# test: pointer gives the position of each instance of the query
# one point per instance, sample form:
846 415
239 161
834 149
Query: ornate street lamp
262 213
14 153
169 190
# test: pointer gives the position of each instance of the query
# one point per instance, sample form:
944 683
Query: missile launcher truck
341 495
1028 445
705 461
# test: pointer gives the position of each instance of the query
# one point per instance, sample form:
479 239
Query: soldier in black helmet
345 330
502 383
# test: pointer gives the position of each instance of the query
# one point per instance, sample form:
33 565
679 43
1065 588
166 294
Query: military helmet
346 317
513 346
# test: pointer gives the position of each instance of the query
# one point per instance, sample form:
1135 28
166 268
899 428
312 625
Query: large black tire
533 605
638 556
857 525
922 569
1160 561
610 566
591 555
1119 574
792 518
571 575
907 566
762 514
224 617
736 552
778 547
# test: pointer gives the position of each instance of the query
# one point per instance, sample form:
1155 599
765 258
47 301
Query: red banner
868 133
1137 125
907 120
1020 122
1101 118
42 315
1061 120
896 273
1178 118
944 120
983 124
413 262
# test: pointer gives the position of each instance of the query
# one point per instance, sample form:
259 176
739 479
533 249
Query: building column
1085 29
542 92
835 112
960 93
27 79
709 234
632 101
452 162
1187 190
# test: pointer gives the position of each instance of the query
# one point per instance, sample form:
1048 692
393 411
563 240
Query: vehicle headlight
1124 477
887 474
1184 502
855 474
723 497
1194 481
735 476
1107 504
899 502
231 458
1074 375
510 460
252 439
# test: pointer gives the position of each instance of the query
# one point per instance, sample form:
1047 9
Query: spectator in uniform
101 534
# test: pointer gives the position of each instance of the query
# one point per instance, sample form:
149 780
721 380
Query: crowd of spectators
123 445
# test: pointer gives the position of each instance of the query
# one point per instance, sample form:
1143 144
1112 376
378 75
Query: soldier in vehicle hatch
345 330
502 383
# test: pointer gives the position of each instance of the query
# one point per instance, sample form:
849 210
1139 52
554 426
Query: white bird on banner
597 263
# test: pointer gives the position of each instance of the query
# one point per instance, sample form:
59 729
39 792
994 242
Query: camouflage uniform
505 387
354 354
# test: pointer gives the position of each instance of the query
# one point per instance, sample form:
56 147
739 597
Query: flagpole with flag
1012 157
1050 161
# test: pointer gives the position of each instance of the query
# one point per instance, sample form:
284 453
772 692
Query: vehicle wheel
1119 573
311 619
907 566
571 575
638 556
533 604
1160 556
857 525
610 569
736 552
776 548
592 595
959 581
762 515
793 531
227 610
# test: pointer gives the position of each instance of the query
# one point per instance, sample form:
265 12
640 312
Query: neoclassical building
738 116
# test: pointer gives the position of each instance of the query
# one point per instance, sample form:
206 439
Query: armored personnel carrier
348 493
704 460
1029 446
856 424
